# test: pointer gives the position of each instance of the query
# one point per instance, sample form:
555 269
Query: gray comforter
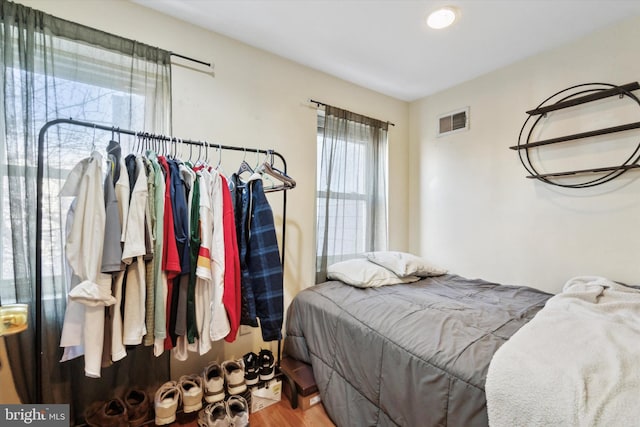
410 355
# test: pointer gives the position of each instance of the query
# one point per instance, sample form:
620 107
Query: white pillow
404 264
361 273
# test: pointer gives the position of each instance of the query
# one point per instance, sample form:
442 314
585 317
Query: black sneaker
251 368
267 364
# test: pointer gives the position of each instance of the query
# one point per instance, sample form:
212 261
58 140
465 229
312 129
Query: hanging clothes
118 350
176 257
178 313
262 293
90 291
180 350
193 205
220 326
159 276
203 291
112 248
170 257
133 253
232 294
150 258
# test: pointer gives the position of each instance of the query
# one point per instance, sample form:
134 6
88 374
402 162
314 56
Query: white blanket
576 363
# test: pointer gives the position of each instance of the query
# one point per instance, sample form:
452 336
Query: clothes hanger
219 167
198 161
268 169
158 143
244 166
93 140
174 148
137 143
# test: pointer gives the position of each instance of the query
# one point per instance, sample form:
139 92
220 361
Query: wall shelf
606 93
571 97
575 136
582 171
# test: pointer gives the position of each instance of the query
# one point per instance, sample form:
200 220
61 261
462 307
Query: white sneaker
214 415
238 411
191 388
213 379
166 401
234 376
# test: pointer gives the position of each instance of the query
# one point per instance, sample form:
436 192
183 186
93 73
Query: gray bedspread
409 355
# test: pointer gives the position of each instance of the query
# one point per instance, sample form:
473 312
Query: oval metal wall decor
570 97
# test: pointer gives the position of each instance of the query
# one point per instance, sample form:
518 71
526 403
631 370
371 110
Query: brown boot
111 413
137 403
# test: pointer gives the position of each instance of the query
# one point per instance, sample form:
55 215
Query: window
67 79
53 69
351 188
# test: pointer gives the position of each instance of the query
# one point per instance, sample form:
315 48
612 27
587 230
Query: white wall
473 211
260 100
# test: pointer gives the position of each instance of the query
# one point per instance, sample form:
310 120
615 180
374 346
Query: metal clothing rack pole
39 217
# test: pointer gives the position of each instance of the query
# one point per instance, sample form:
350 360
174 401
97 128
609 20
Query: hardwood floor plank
282 415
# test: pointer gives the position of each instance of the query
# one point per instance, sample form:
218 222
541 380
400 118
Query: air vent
455 121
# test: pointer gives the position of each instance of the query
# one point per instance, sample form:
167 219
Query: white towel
576 363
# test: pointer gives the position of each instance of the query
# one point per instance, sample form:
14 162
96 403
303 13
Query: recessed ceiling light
442 17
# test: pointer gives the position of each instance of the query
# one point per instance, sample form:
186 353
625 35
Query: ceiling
385 45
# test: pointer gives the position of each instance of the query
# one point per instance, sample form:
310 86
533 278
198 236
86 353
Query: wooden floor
277 415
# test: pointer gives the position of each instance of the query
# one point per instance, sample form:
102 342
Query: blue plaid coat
261 282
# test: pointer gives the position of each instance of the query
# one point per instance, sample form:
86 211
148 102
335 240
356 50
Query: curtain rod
208 64
324 105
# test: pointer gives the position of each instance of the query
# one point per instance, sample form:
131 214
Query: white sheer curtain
351 187
51 69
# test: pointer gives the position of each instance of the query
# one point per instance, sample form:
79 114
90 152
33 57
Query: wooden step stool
300 385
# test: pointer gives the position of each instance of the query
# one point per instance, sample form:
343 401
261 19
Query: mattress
411 354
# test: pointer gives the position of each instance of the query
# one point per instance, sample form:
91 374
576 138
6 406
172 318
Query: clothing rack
39 215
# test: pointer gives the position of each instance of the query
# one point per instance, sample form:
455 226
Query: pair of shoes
138 407
166 402
258 366
267 365
231 413
234 376
251 368
213 379
111 413
192 391
133 410
187 390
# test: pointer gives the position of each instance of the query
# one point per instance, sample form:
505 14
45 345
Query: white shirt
90 290
134 326
204 287
220 326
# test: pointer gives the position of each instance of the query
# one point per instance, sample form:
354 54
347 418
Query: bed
576 363
411 354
